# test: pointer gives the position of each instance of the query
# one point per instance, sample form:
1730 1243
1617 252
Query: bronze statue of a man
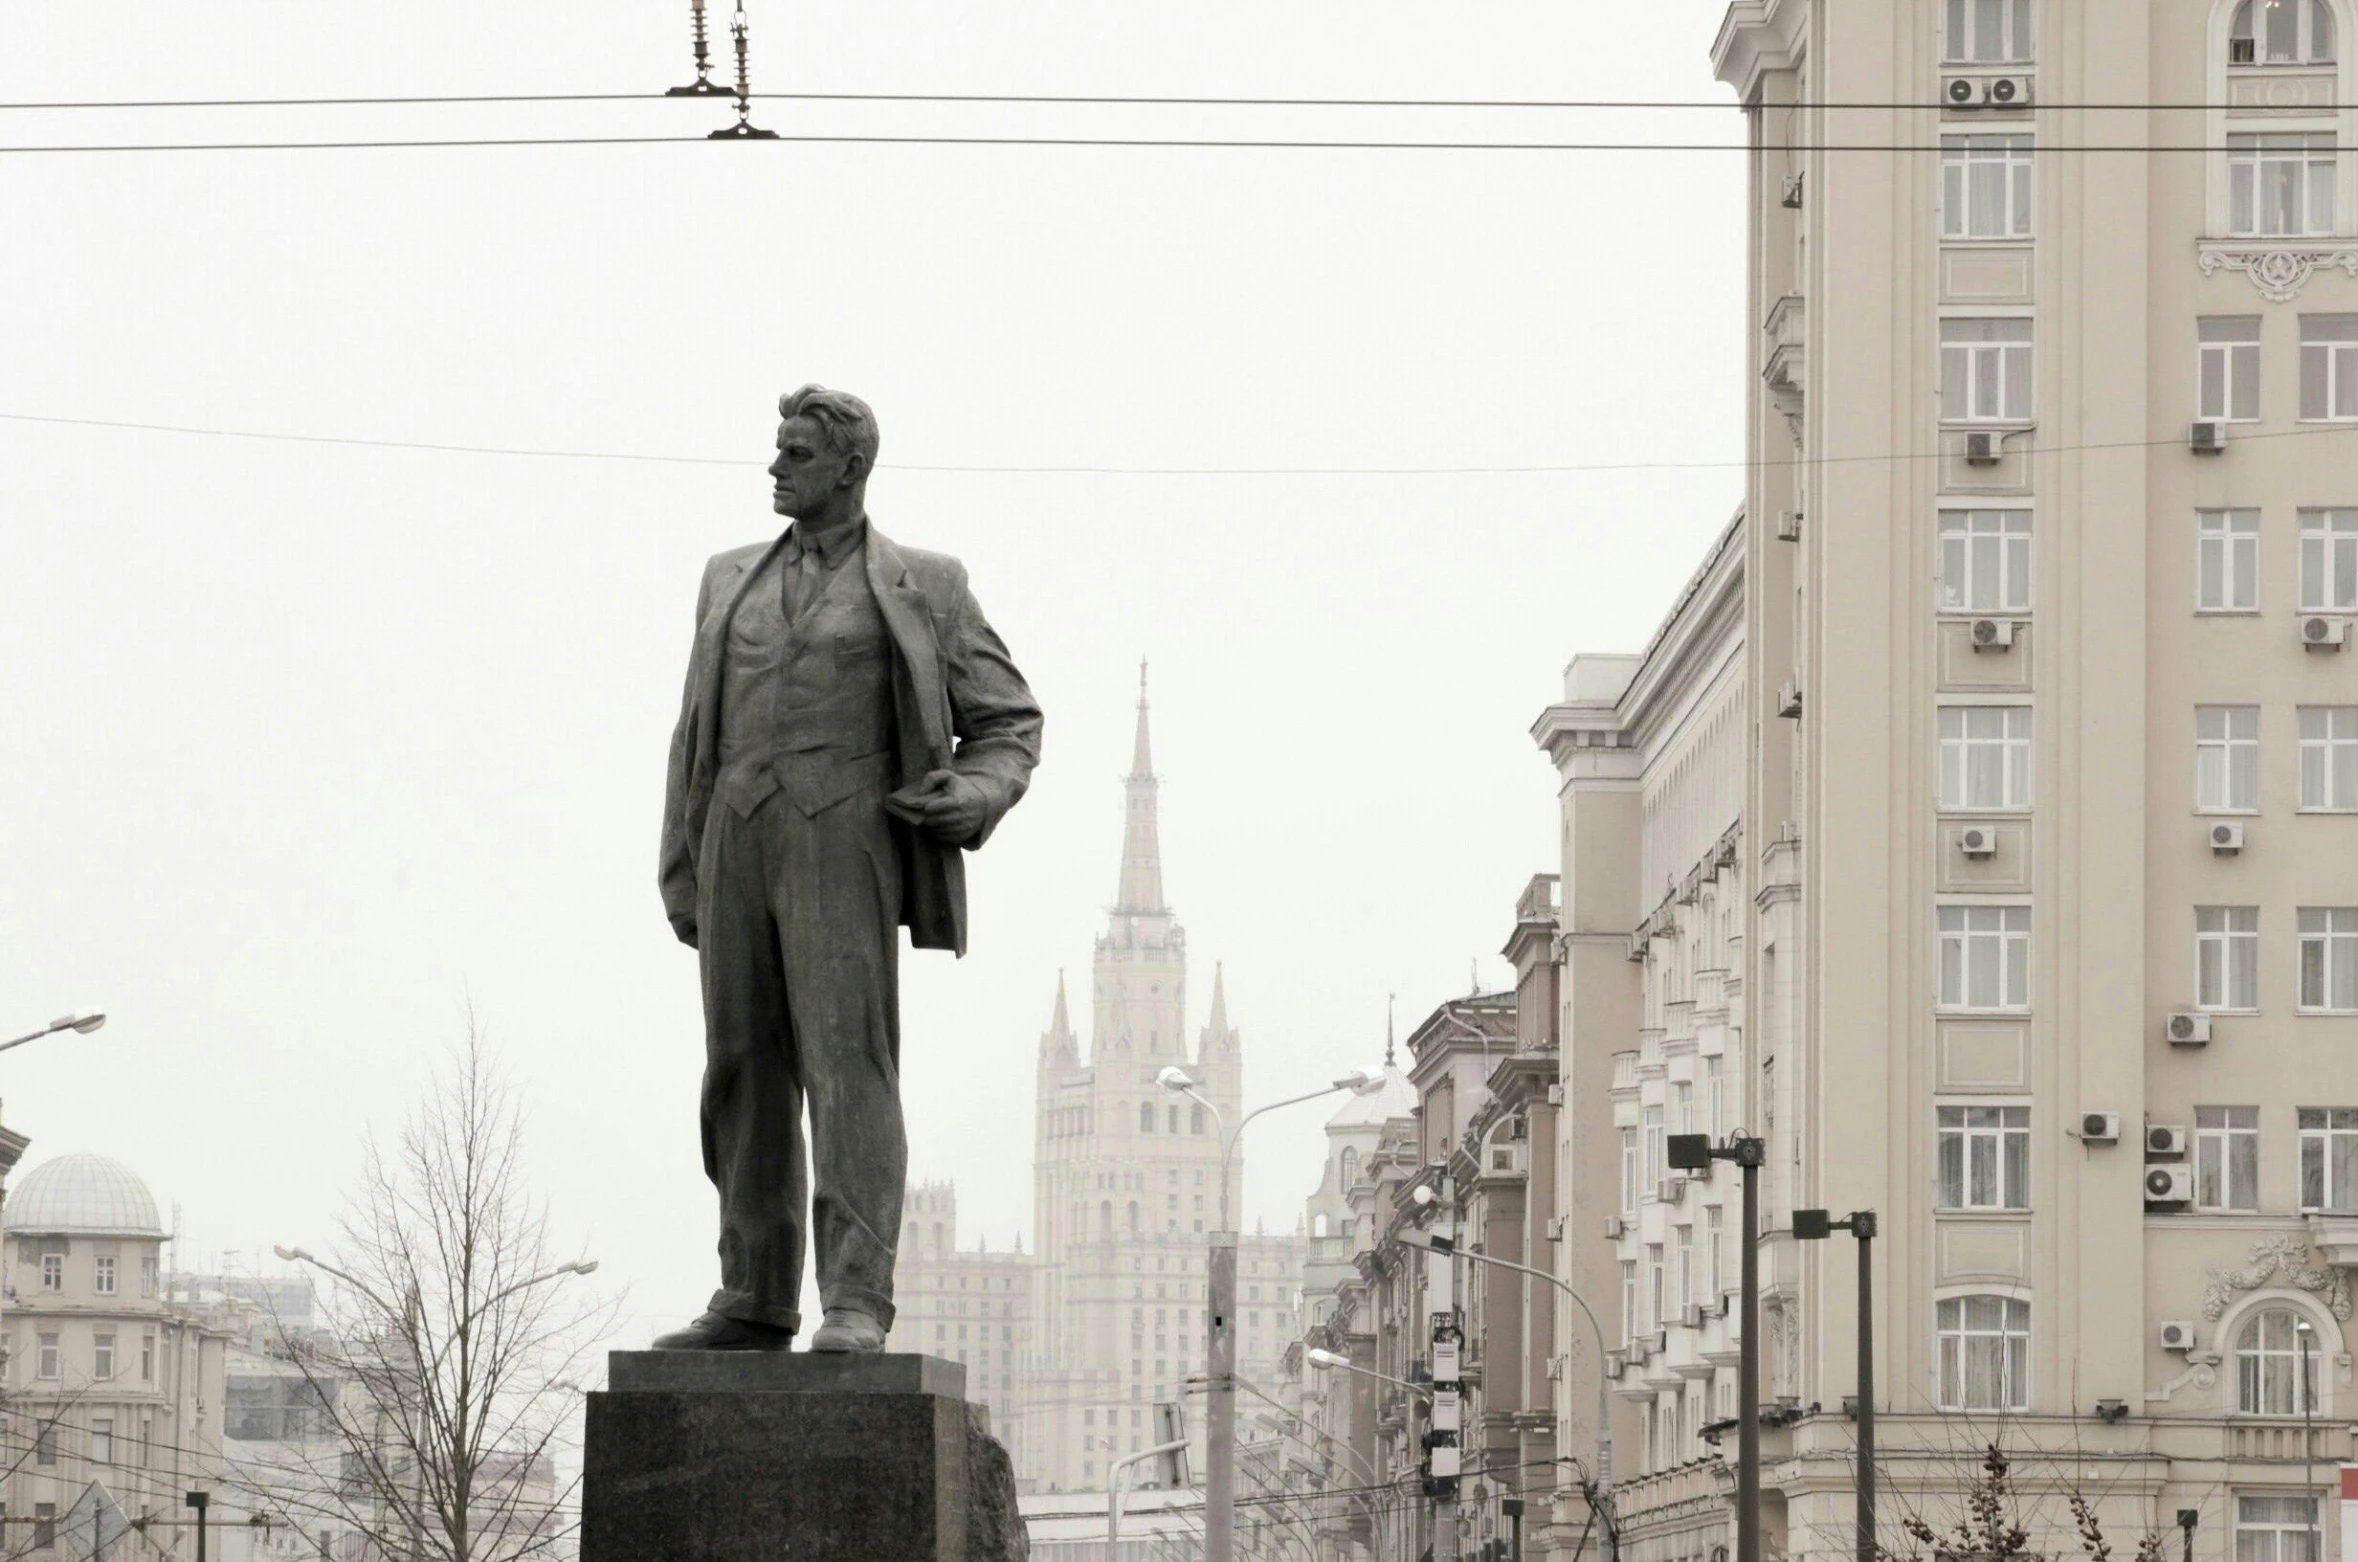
851 724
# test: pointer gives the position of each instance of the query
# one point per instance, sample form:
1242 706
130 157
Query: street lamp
300 1255
82 1023
1220 1312
1815 1225
1696 1152
2301 1332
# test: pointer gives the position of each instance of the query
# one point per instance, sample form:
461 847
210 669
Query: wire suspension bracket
703 86
743 129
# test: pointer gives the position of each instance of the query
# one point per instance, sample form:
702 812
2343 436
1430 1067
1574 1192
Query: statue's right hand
685 927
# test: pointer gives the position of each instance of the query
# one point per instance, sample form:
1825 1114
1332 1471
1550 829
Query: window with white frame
1682 1102
2227 352
2275 1529
1713 1230
2226 758
1657 1164
1984 1353
2281 32
2329 368
1629 1299
2280 184
2227 561
2227 957
2227 1158
1989 32
1985 369
1985 756
2329 757
105 1266
1985 187
2329 1158
1654 1283
1985 957
2329 561
1985 560
2329 958
1629 1171
1985 1157
1686 1267
2271 1379
52 1271
1715 1096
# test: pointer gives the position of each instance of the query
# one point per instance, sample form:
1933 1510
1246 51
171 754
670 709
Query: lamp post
200 1500
82 1023
1220 1313
1696 1152
1602 1498
2302 1332
1815 1225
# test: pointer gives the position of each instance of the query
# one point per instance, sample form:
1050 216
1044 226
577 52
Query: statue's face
808 469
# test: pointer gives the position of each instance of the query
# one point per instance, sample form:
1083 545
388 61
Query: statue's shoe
848 1329
714 1332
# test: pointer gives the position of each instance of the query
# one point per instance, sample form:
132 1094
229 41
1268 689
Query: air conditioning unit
2164 1139
1691 1315
1612 1227
1723 1304
1672 1191
2100 1127
2207 438
1788 526
1555 1228
2168 1184
2227 837
2324 632
1640 1351
1977 840
2177 1334
1506 1158
1555 1369
1981 449
1789 697
2188 1030
1555 1094
1991 634
1616 1362
1961 92
2006 92
1791 196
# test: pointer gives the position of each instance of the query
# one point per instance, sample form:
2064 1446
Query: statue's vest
806 706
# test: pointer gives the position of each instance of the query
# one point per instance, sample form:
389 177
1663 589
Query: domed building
117 1391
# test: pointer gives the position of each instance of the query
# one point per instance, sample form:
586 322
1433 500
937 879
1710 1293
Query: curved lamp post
82 1023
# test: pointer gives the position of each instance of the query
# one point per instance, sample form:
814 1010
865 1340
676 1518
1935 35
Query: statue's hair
845 422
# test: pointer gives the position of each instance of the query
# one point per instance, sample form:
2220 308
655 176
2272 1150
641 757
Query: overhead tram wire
1075 99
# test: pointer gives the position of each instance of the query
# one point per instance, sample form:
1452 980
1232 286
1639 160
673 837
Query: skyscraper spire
1219 1025
1142 850
1061 1024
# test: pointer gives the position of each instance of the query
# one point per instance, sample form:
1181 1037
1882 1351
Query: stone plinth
729 1456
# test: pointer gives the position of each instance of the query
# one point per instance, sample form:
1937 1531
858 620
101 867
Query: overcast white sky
308 744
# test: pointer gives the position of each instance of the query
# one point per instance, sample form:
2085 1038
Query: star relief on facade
2283 1260
2279 271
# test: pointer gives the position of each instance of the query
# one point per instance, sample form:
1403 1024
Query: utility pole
1696 1152
1444 1459
1814 1225
200 1500
1220 1419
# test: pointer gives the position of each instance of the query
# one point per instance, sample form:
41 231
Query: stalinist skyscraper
1126 1187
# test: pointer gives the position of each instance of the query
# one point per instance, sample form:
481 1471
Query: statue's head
826 448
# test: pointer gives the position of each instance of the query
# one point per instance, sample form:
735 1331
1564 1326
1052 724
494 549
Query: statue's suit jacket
958 702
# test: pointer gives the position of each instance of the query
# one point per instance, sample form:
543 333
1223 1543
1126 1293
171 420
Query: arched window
1318 1226
2281 32
1133 1214
1105 1218
1146 1117
937 1237
1350 1169
1984 1353
1195 1119
1174 1119
2272 1378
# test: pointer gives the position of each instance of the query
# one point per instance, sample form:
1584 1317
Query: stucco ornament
2285 1260
2279 273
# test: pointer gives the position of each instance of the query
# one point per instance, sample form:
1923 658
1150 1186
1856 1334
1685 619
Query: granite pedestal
742 1456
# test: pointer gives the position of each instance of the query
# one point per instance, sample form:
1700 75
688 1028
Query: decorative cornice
2279 271
2284 1259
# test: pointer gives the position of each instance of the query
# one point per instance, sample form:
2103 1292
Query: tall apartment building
2044 888
965 1304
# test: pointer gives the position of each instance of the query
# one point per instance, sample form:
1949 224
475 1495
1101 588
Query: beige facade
965 1304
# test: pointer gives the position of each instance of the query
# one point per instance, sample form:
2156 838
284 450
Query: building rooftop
83 1195
1394 1097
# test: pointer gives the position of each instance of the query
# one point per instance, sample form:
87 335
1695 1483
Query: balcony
2336 1236
1625 1071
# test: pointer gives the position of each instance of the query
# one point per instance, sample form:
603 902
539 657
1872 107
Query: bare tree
443 1372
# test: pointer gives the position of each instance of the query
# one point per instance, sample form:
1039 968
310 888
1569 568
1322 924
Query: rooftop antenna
1389 1000
1474 977
743 129
702 86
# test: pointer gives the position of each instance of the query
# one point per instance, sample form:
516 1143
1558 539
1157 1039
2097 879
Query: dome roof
83 1195
1393 1097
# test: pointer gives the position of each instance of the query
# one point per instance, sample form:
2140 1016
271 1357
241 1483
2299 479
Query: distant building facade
965 1304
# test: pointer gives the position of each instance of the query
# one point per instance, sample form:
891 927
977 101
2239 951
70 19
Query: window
1985 957
103 1357
1146 1117
2226 1157
1195 1119
45 1362
1657 1164
52 1271
2228 354
1985 370
2329 368
2329 1158
2281 32
147 1275
1984 1353
102 1439
2329 958
1686 1267
1629 1171
2227 957
1985 561
2275 1529
1711 1234
1985 187
2329 757
45 1444
2329 561
1985 756
106 1275
2226 758
1985 1157
1989 32
2270 1377
1654 1297
1629 1299
2227 561
2280 185
1682 1100
1715 1097
45 1513
147 1357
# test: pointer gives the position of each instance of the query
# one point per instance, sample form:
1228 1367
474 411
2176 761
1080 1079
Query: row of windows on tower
2260 33
104 1272
1196 1119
